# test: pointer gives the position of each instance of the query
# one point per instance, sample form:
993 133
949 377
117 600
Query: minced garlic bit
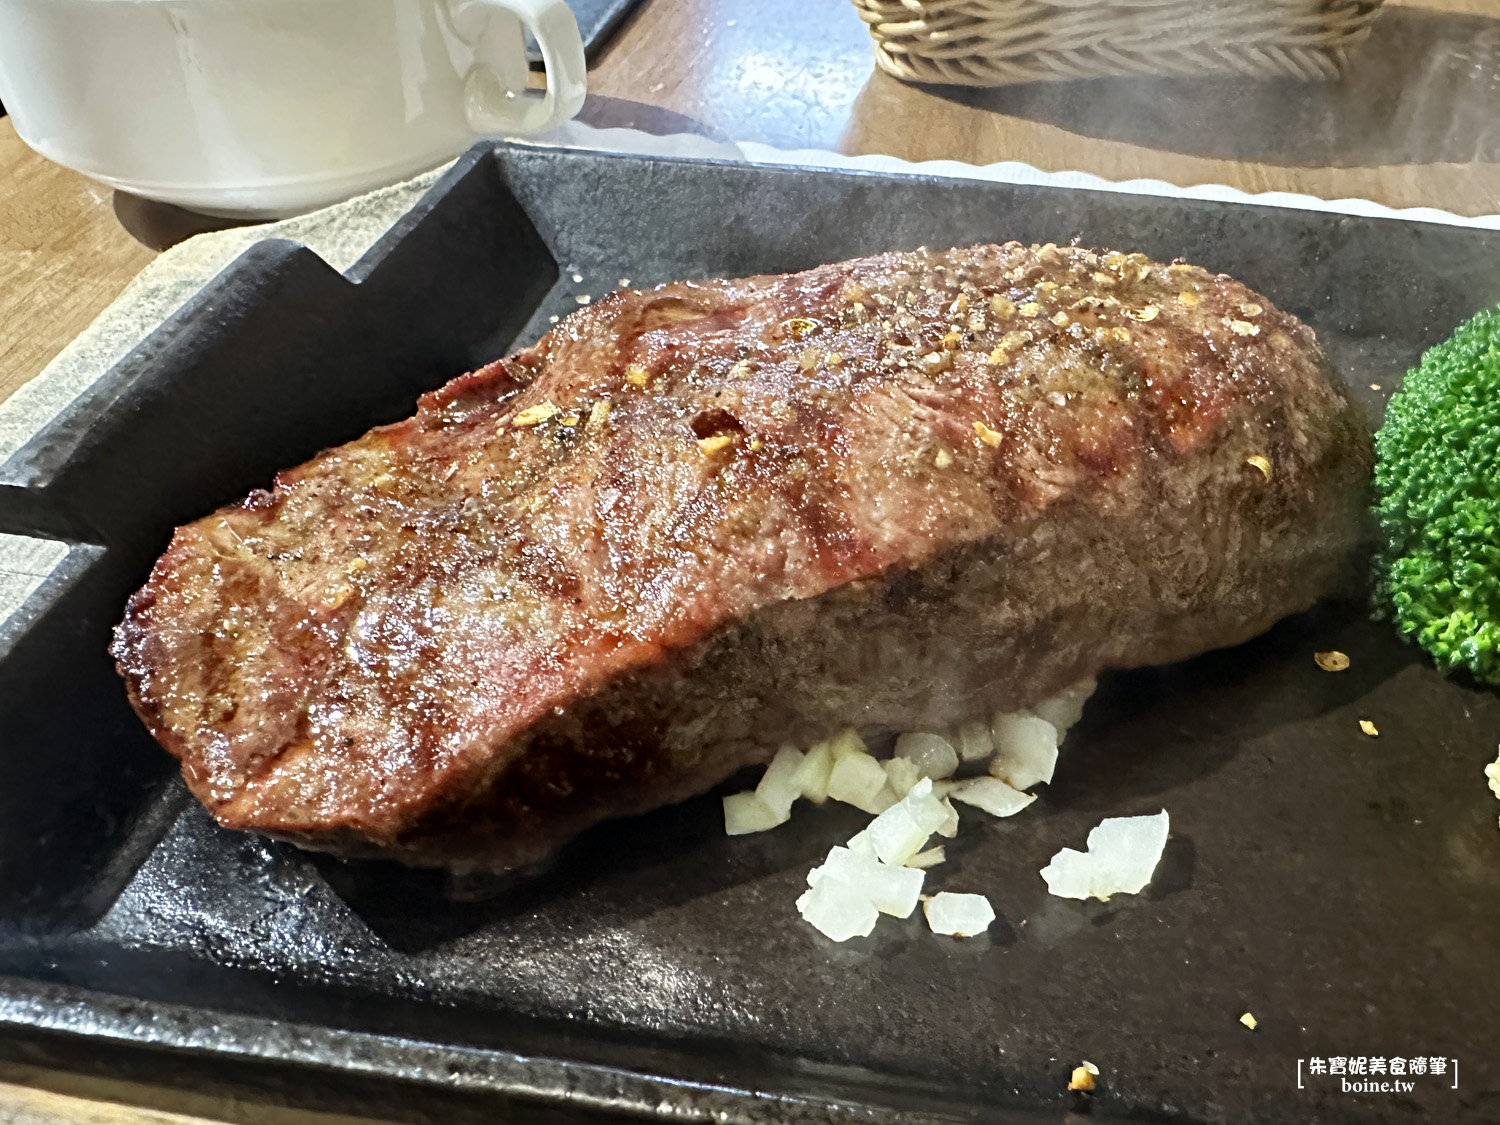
834 359
599 414
356 565
636 374
1261 462
799 326
1083 1076
1144 313
715 442
951 340
1492 771
1249 1021
1188 299
583 298
976 321
1031 308
1121 334
624 283
1103 278
1114 259
809 359
1002 306
1244 328
988 436
1060 319
1250 308
1046 286
1369 728
943 458
999 357
1331 661
534 414
1015 339
553 319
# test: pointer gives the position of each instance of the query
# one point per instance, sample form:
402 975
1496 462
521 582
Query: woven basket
993 42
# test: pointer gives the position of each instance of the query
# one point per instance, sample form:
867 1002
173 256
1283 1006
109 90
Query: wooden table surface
1416 123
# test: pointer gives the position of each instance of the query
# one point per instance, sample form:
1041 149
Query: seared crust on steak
690 523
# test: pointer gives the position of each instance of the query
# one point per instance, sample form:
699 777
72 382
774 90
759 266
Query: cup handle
552 24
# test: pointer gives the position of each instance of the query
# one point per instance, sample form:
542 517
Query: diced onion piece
932 754
929 811
902 774
881 801
1070 874
1066 707
1025 749
860 780
847 742
746 812
1126 850
860 843
892 890
902 830
930 858
992 795
779 786
949 828
900 889
958 915
974 742
812 775
838 910
1122 856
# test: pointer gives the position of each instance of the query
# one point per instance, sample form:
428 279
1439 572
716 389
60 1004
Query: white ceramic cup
261 108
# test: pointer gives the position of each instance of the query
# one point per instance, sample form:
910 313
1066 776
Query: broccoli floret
1437 482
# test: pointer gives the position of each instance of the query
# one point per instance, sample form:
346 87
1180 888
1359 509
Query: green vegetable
1437 482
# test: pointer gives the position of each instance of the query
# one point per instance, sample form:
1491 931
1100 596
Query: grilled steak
606 572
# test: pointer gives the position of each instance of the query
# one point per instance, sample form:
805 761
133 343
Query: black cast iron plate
597 21
1342 888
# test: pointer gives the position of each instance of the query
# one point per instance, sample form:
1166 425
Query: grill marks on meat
606 572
